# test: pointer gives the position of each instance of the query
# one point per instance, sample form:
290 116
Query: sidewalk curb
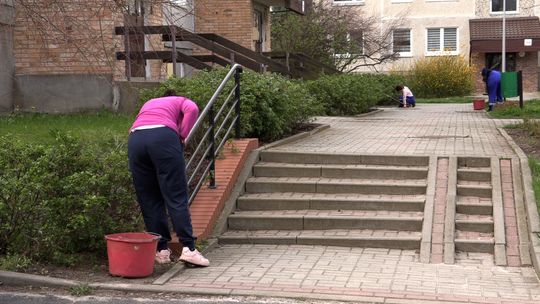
533 219
18 279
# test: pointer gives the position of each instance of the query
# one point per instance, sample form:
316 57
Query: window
401 42
347 2
442 40
497 6
353 46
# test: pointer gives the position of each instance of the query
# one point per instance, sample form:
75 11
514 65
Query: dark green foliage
352 94
63 198
271 105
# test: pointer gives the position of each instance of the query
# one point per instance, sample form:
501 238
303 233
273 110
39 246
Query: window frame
441 51
404 54
501 12
348 55
348 2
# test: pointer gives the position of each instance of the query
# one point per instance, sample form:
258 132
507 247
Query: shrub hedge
441 76
62 198
351 94
271 105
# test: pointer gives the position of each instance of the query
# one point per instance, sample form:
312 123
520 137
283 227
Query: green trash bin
509 84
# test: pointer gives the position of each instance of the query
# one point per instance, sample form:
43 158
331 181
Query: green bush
351 94
271 105
441 76
63 198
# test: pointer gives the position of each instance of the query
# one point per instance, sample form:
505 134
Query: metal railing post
237 97
212 155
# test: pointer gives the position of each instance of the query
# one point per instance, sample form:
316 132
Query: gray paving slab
378 273
428 129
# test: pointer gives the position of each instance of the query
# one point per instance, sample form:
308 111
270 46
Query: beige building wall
525 8
418 16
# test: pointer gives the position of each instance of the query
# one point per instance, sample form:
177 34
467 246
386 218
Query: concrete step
474 205
326 185
266 169
474 223
335 237
330 158
467 245
474 162
482 191
317 201
474 174
325 219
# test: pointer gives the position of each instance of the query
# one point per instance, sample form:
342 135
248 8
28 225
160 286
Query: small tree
341 37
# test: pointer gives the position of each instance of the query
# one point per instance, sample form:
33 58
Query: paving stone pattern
425 130
386 274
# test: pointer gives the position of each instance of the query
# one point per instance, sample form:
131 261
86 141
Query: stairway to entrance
383 201
333 200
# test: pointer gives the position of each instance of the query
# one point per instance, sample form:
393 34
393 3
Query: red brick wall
527 64
73 37
232 19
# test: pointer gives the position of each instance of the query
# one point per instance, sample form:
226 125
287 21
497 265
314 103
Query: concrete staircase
333 200
474 223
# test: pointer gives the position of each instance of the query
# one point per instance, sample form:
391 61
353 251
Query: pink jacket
175 112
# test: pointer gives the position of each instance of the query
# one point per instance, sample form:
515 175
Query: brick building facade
64 51
245 22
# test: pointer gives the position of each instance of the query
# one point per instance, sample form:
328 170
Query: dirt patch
528 143
95 272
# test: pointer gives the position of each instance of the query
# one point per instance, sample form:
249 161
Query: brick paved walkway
424 130
377 275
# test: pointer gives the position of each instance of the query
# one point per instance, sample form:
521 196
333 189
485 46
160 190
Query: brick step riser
321 223
364 173
474 176
309 158
283 204
475 209
471 246
404 244
265 187
474 191
485 227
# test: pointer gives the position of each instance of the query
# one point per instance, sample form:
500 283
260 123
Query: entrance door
258 31
494 61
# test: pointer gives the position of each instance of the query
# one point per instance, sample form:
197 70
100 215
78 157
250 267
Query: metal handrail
204 163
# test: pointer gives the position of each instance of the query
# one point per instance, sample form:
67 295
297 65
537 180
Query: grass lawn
510 109
445 100
534 164
91 126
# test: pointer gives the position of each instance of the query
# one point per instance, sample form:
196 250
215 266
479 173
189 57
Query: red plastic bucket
131 254
479 104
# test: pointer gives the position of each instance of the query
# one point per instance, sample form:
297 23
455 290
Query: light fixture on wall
521 54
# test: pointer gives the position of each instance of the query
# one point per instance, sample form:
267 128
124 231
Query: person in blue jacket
493 82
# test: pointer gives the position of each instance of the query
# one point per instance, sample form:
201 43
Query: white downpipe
503 68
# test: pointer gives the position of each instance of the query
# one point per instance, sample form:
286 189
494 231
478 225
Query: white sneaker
193 257
163 256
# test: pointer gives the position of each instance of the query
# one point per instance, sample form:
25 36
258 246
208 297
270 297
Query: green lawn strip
92 126
511 109
445 100
534 164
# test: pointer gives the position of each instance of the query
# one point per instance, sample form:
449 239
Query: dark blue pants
494 90
156 162
411 101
